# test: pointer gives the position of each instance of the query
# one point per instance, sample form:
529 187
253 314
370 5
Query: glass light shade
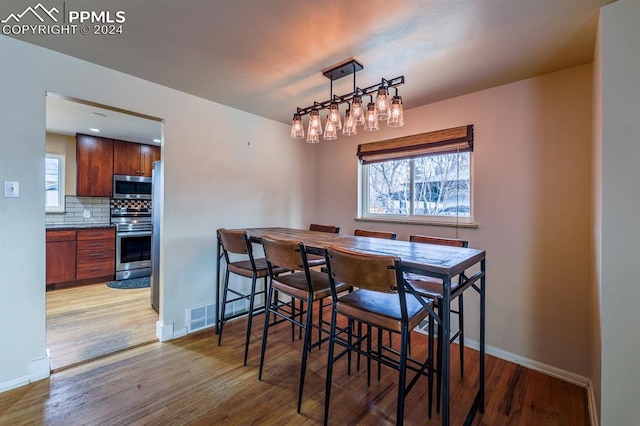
315 124
313 138
371 118
396 113
349 127
330 131
297 129
334 115
382 103
357 111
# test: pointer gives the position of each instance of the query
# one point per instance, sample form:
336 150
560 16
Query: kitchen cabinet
61 256
94 157
95 253
134 159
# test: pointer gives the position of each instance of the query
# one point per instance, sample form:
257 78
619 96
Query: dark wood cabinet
95 253
81 256
134 159
94 157
148 154
61 256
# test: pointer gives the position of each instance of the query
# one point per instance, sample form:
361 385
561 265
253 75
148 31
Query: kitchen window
54 183
426 177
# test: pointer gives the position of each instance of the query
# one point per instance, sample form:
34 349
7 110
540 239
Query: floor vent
199 317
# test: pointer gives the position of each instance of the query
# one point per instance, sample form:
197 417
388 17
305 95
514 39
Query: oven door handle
134 234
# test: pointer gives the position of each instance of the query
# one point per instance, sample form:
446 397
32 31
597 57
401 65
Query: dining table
438 261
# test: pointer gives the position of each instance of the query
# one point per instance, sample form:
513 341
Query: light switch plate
11 189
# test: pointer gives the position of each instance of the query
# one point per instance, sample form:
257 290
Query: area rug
131 283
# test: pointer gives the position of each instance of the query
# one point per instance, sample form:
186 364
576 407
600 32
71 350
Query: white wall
532 180
213 178
618 228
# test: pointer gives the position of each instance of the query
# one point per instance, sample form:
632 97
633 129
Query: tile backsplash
75 207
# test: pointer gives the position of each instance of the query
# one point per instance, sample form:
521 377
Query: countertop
62 226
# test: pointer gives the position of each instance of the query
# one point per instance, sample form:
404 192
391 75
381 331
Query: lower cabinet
61 256
96 253
78 256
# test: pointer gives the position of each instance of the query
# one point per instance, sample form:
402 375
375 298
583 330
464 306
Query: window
54 183
425 176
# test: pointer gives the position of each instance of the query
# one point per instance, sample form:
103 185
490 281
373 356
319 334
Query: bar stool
324 228
379 301
314 259
375 234
317 260
431 288
304 284
237 242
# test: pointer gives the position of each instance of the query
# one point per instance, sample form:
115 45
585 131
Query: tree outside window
434 185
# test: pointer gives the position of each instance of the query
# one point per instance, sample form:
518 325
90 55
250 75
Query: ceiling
68 117
267 57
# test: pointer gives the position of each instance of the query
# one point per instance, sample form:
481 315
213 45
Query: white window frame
363 202
60 207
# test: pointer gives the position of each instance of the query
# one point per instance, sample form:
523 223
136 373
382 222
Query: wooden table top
421 257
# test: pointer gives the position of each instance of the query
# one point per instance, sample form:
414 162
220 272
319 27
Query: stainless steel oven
133 242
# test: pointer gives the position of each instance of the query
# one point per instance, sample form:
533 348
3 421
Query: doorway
91 320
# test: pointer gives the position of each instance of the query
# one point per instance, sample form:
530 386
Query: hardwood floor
90 321
191 380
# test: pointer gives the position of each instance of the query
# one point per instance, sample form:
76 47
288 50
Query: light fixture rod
392 82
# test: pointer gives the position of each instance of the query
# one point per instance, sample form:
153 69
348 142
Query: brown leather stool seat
305 285
379 301
237 243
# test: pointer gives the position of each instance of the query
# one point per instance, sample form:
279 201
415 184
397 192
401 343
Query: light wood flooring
191 380
90 321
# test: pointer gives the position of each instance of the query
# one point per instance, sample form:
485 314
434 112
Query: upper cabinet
98 159
94 158
148 155
134 159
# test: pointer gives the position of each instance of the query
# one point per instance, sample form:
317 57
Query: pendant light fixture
315 127
334 115
297 130
371 118
355 115
382 104
330 129
396 113
349 127
357 110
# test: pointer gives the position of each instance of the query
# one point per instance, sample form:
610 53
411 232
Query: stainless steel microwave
131 187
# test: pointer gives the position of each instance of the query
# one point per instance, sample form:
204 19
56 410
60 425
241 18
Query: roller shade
447 141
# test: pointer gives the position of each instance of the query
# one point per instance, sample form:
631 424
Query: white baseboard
40 368
549 370
164 332
180 333
15 383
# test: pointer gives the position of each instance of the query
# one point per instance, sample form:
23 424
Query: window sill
469 225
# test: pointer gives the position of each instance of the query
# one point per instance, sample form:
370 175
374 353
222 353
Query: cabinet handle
96 268
95 244
95 254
